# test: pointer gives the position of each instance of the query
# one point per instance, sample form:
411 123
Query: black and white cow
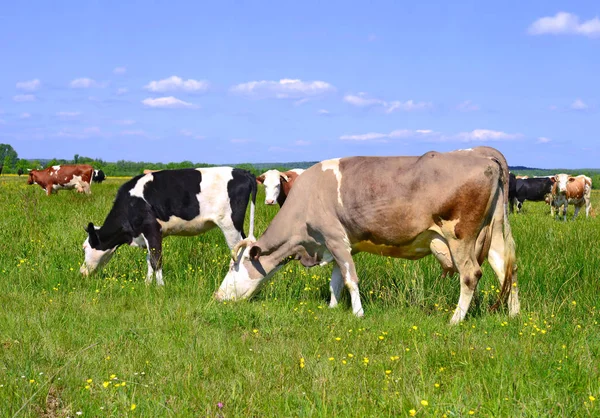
172 202
98 176
533 189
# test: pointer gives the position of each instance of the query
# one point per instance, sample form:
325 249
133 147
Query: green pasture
111 346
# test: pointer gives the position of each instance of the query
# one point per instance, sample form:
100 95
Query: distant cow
1 168
52 179
403 207
522 177
99 176
172 202
534 189
20 171
571 190
148 171
278 184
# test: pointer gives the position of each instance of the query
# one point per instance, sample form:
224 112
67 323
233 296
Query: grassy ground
110 346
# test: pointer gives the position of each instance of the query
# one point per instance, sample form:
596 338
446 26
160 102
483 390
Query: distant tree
8 156
76 159
52 162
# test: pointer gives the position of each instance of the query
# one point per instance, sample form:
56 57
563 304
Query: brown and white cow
52 179
278 184
570 190
148 171
453 205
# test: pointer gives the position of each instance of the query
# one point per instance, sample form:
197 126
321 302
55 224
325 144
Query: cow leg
85 187
588 206
335 286
577 209
469 271
153 238
49 189
519 206
343 258
232 234
565 206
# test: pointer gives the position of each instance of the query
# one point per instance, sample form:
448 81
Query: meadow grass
109 345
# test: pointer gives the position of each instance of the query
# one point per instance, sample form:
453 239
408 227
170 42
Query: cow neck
282 237
115 231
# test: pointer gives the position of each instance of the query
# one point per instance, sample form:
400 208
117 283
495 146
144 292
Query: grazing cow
148 171
52 179
512 191
533 189
20 171
99 176
570 190
278 184
171 202
404 207
1 168
522 177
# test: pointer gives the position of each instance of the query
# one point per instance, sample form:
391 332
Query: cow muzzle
269 202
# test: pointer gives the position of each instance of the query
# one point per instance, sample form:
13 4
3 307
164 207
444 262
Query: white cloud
189 134
579 105
80 134
86 83
430 135
468 106
323 112
565 23
175 83
133 132
362 100
302 143
543 140
168 102
68 114
240 141
283 89
364 137
125 122
486 135
121 91
25 115
24 98
120 70
31 85
93 130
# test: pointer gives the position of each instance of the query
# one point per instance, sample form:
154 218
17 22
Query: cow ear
255 252
93 235
553 179
284 177
260 179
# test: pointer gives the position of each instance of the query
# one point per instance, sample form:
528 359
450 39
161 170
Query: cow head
561 181
94 257
31 178
272 180
246 274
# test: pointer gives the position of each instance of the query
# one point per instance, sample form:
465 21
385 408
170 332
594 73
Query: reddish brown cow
51 179
278 184
569 189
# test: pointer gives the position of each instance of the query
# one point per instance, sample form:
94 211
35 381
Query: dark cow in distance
99 176
451 204
20 171
172 202
52 179
534 189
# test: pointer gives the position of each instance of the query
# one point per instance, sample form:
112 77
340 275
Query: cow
522 177
148 171
567 190
20 172
1 168
512 191
533 189
449 203
99 176
185 202
52 179
278 184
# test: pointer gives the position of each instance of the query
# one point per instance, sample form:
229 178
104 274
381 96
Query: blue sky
229 82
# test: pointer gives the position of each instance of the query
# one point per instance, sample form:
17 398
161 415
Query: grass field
109 345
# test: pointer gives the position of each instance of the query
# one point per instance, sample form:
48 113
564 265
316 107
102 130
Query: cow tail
253 191
509 242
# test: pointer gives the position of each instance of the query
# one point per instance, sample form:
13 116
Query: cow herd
453 205
558 191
